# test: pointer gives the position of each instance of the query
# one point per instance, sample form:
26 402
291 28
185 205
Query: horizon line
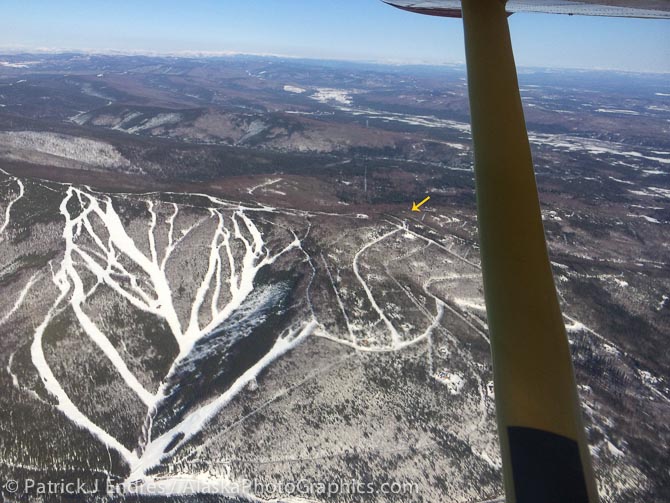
199 54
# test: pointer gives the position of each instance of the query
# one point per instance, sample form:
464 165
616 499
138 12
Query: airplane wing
659 9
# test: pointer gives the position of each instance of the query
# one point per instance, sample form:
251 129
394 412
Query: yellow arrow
415 207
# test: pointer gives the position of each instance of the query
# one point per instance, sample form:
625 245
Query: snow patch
294 89
327 95
453 381
6 64
617 111
575 327
470 304
157 121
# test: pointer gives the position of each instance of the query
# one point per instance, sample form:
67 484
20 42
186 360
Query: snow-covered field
18 144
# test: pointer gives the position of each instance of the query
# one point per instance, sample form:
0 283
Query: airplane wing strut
544 450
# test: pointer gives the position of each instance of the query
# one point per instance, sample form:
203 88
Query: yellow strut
536 396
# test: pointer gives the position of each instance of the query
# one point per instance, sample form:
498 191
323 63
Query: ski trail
78 297
11 203
151 232
120 242
20 299
441 305
436 243
110 352
15 379
241 285
264 184
198 419
339 301
147 288
433 319
193 329
395 337
98 243
308 289
52 385
170 222
318 373
124 243
279 396
426 288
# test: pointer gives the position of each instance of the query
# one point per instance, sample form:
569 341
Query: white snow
148 289
652 192
263 185
453 381
197 419
574 327
20 299
157 121
326 95
597 147
621 181
52 385
341 100
13 65
648 378
395 336
650 219
469 303
294 89
127 119
11 203
614 451
617 111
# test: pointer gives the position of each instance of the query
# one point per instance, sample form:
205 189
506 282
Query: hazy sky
343 29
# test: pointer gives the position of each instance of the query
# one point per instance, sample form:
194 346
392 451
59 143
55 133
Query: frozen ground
154 331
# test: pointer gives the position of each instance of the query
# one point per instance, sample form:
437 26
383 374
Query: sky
331 29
